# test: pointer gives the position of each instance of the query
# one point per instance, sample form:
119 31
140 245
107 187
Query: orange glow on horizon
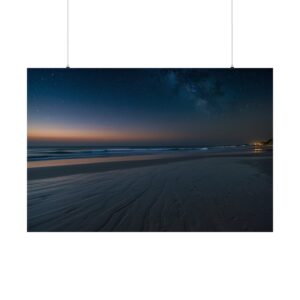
92 135
68 134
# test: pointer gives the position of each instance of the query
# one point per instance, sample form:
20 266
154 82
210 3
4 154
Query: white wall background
149 33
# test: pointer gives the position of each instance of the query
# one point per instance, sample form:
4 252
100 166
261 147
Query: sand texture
208 194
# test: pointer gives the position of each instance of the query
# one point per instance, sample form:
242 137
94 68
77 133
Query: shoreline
51 169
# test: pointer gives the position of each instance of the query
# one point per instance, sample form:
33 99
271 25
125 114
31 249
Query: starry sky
147 107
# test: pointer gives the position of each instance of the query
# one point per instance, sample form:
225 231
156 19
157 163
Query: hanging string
68 33
232 34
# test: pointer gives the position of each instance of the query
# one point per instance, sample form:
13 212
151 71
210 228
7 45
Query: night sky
161 107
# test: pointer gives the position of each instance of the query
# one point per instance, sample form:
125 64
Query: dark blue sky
149 106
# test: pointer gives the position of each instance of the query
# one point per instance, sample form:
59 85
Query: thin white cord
68 32
232 34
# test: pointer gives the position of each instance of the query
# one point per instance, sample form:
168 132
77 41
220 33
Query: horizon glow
149 106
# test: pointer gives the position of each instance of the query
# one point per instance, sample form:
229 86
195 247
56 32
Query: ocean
70 152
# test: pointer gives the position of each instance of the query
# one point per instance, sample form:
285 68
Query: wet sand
207 193
56 168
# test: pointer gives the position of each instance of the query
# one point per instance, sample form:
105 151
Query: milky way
149 106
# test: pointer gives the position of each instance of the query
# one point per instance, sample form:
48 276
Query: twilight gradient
146 107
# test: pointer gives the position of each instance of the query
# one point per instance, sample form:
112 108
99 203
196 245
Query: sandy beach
231 192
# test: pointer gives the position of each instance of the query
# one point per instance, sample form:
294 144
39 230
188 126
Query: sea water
70 152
